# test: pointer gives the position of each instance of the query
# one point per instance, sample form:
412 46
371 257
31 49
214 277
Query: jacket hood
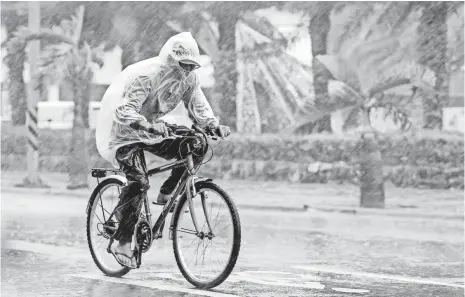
179 47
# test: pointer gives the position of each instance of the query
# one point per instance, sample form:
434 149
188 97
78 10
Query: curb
305 208
49 191
387 212
57 192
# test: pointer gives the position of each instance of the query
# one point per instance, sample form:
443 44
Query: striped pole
33 97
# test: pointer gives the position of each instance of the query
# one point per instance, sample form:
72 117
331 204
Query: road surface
293 253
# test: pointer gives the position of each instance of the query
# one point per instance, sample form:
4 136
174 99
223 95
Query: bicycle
190 188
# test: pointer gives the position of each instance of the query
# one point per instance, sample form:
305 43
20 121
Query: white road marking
399 278
275 278
153 285
267 278
47 249
271 279
347 290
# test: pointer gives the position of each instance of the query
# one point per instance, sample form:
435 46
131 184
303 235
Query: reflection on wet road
44 253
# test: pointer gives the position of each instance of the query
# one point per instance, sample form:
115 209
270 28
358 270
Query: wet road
283 254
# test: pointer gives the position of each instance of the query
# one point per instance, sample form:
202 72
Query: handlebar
181 131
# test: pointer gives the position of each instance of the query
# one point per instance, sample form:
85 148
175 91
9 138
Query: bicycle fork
191 192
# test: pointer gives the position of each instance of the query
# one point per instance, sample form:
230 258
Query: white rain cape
147 91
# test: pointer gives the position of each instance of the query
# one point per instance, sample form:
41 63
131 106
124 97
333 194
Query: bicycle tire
236 242
124 270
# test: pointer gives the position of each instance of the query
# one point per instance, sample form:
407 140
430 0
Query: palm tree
349 84
137 27
319 27
371 54
14 60
455 54
225 15
424 24
68 58
432 47
96 28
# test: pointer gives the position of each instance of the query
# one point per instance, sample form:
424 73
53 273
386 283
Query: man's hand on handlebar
165 130
223 131
158 128
220 131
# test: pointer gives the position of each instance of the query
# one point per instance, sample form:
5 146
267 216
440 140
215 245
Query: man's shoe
162 199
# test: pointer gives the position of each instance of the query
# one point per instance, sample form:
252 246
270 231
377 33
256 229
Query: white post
32 179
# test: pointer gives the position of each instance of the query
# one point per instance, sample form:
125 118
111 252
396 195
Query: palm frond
25 35
396 115
352 118
53 65
262 25
78 22
355 15
341 70
375 22
409 72
343 94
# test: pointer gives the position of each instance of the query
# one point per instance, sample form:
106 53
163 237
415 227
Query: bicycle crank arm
159 233
139 257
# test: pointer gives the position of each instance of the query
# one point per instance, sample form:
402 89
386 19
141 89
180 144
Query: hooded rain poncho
147 91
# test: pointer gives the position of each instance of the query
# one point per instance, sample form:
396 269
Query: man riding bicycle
128 122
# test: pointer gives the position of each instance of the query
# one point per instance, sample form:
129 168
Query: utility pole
32 179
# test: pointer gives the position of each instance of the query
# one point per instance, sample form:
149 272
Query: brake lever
221 136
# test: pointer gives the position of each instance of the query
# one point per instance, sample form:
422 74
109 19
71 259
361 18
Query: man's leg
173 149
128 209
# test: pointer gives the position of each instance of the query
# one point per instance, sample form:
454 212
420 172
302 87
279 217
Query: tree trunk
16 88
320 24
432 47
14 60
78 155
225 66
371 167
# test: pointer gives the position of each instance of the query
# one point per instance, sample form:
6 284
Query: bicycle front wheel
206 259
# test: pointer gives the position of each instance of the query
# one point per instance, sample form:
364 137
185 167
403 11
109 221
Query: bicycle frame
187 184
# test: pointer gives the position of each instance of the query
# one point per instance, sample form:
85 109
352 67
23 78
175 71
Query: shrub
429 160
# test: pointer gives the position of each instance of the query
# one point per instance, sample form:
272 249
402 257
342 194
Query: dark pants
131 199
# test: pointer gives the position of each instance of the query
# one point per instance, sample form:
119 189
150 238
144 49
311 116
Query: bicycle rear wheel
102 203
223 242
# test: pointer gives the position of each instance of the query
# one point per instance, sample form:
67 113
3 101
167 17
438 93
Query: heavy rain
264 148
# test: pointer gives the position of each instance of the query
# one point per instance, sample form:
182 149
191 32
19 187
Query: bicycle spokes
205 253
103 224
